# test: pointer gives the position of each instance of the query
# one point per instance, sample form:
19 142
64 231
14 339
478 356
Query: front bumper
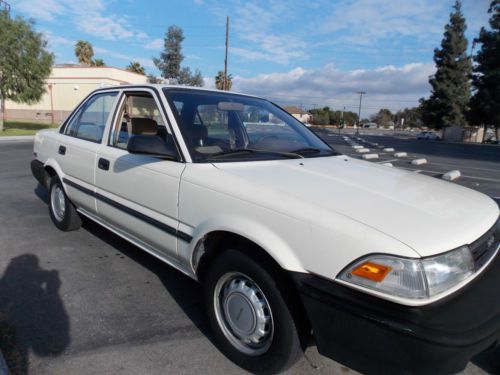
372 335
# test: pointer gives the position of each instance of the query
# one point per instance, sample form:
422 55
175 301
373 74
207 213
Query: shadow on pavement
32 314
42 193
186 292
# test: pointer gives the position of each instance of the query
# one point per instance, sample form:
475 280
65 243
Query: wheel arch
214 243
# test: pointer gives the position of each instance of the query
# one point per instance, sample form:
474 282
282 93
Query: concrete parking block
387 164
451 175
370 156
357 147
400 154
419 161
363 150
389 149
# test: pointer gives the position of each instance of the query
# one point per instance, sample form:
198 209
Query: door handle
62 150
103 164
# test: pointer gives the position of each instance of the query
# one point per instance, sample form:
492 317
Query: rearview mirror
230 106
151 145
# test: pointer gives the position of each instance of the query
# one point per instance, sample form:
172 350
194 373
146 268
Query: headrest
144 126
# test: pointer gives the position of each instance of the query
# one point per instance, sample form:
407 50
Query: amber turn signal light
372 271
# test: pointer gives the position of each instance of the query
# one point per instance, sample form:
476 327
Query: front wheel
61 210
252 324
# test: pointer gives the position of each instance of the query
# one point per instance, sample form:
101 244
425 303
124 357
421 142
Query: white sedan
426 135
287 236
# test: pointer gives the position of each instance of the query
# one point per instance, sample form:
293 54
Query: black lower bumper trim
372 335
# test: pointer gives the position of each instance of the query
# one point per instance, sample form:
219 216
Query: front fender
279 248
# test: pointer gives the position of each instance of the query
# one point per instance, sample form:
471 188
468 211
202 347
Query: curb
17 138
4 370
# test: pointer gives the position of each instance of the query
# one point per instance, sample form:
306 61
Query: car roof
160 86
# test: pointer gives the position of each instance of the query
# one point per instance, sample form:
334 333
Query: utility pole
224 86
474 41
361 93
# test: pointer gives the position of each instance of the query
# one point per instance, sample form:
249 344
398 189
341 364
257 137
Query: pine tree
169 62
450 92
485 104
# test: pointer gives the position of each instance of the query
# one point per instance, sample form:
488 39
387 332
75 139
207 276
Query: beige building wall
66 87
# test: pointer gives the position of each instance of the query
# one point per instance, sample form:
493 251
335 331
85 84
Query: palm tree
98 62
219 81
84 52
136 67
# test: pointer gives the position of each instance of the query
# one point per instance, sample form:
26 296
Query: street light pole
361 93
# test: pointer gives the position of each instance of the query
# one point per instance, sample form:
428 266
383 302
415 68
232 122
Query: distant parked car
431 136
370 125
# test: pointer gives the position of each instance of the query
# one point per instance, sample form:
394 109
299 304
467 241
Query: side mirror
151 145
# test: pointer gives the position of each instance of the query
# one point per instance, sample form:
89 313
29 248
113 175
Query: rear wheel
252 323
61 210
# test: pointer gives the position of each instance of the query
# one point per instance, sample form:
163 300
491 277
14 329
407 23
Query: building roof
293 110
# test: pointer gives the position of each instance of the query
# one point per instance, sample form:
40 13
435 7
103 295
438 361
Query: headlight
408 277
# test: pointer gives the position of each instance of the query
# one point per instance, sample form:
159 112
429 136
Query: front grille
484 248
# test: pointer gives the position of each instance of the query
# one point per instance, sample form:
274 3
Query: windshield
228 127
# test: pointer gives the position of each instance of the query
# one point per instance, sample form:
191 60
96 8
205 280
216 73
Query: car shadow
42 193
489 361
186 292
32 314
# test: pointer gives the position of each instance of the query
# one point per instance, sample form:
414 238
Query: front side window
139 115
228 127
90 120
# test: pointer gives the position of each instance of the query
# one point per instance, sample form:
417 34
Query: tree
136 67
219 81
450 92
485 102
171 58
382 117
169 62
25 62
84 52
187 78
98 62
153 79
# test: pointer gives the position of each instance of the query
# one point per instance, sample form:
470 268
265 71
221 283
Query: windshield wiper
289 155
311 150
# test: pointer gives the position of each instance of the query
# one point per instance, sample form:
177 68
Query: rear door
78 145
138 194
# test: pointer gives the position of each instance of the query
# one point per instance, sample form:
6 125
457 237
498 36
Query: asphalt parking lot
87 302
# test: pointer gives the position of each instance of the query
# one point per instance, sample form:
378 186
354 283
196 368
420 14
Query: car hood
425 213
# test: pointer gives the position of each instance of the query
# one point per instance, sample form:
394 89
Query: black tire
284 345
67 219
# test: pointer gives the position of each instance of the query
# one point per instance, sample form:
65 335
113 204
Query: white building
298 113
66 87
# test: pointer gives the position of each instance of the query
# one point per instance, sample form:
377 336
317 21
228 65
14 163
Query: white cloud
121 56
47 11
56 40
388 86
155 44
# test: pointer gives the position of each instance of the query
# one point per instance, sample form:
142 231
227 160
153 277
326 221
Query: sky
294 52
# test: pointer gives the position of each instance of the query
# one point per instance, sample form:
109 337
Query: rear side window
89 122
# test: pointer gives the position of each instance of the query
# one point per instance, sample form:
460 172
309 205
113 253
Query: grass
23 128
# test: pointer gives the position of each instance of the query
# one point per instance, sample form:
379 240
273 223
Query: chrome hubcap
58 202
243 313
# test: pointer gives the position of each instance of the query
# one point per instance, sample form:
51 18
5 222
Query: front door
78 145
138 194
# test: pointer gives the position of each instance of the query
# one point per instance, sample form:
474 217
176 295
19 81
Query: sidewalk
17 138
